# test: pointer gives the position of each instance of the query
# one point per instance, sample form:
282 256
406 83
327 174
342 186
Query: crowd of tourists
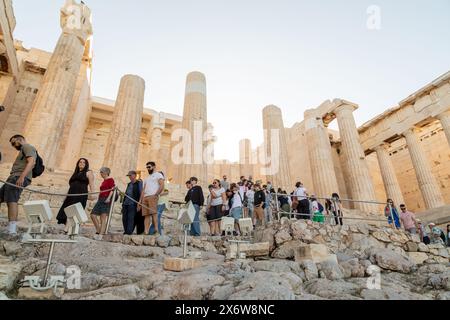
429 233
258 202
144 201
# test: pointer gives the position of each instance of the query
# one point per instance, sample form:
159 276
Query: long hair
77 169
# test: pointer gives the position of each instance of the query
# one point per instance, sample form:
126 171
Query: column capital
384 146
410 131
76 18
343 105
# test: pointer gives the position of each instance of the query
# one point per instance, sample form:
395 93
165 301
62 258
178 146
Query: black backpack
39 167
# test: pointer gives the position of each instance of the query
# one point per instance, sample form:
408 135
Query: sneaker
12 229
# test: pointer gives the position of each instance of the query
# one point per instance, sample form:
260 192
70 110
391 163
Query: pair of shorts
150 206
101 207
259 212
236 213
215 213
10 194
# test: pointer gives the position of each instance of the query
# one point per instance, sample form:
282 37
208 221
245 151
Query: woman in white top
215 212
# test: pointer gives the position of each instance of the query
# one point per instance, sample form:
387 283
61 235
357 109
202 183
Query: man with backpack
28 165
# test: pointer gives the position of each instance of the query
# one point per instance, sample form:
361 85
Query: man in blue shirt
131 218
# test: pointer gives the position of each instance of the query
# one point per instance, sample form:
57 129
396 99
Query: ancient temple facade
403 154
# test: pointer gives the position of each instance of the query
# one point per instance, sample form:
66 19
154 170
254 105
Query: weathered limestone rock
287 250
137 240
282 237
418 257
329 289
30 294
330 269
310 269
381 236
412 247
163 241
389 260
250 250
422 247
12 248
352 268
180 265
9 273
265 285
316 252
150 241
279 266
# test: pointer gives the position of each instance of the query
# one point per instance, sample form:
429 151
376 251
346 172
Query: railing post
111 210
277 205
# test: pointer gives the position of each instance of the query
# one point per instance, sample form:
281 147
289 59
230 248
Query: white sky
294 54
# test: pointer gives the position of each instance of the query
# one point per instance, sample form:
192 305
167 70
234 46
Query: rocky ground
121 267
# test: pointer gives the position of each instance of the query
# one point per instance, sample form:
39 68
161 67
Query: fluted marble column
158 125
320 156
390 180
45 125
361 185
245 155
444 118
195 122
123 142
277 170
428 185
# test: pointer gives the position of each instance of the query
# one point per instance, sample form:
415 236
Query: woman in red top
103 205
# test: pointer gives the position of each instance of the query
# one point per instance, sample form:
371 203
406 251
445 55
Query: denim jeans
128 215
161 209
195 227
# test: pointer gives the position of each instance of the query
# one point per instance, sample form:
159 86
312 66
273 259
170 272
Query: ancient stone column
444 118
158 125
45 125
428 185
359 178
245 155
195 122
277 169
390 180
123 143
321 158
